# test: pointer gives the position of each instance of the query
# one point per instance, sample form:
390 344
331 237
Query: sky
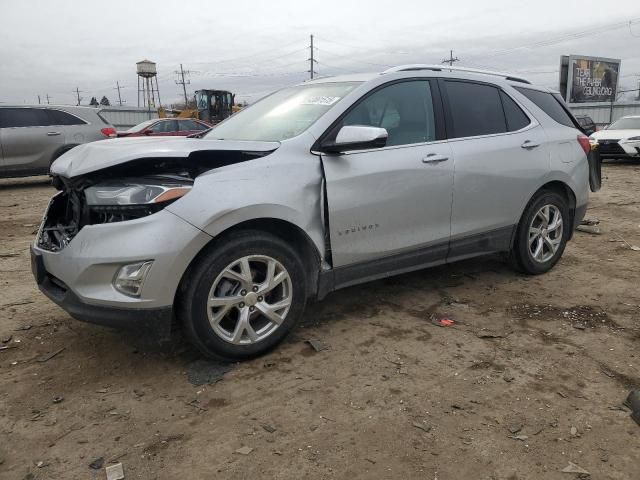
254 47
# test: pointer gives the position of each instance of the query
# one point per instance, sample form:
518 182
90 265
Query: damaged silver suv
326 184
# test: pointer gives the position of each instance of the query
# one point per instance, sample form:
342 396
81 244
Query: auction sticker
320 100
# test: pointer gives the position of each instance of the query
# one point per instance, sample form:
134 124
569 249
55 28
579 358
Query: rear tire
542 233
243 296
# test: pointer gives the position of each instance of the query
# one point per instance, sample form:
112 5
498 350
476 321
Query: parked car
163 127
587 124
316 187
32 137
621 139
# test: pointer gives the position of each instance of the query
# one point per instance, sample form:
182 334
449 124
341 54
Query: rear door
498 150
164 128
28 139
395 201
189 127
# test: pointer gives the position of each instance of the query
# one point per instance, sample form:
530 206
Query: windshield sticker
320 100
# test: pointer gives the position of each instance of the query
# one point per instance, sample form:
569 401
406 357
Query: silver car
316 187
32 137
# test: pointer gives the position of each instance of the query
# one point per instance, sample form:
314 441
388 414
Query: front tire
542 233
243 296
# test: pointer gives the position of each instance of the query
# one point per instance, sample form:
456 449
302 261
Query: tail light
109 132
583 140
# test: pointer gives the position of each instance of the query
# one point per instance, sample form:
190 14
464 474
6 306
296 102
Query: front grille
610 147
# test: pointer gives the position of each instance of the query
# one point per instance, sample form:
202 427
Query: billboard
588 79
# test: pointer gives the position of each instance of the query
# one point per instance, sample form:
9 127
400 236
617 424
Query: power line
77 92
311 60
450 60
183 83
118 87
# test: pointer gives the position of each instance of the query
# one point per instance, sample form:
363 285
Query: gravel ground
529 378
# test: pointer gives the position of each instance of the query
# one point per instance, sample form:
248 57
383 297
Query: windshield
285 114
629 123
140 126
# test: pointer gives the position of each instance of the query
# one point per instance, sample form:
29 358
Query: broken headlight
132 198
134 194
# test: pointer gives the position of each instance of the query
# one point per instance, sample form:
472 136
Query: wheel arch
556 186
283 229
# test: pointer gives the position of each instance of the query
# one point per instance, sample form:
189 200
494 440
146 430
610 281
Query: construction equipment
212 106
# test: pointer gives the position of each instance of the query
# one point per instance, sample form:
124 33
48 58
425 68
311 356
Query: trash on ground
58 399
574 431
97 464
593 230
573 468
422 426
590 221
204 371
485 333
49 356
522 438
442 322
244 450
269 428
635 248
317 345
115 472
633 403
515 428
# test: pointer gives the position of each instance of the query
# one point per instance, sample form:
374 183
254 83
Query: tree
105 101
94 102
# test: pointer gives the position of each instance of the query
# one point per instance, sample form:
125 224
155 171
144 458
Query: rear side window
475 109
190 125
548 103
58 117
516 118
166 126
23 117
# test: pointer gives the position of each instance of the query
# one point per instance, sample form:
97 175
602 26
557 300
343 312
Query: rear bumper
158 319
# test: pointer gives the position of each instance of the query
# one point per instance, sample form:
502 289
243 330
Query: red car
166 127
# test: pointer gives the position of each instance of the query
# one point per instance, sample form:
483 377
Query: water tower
147 73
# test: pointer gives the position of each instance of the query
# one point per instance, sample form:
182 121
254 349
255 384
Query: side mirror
357 137
147 132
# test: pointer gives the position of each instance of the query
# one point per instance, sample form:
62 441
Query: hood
615 134
102 154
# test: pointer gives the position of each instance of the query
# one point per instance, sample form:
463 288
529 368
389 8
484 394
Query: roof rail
439 68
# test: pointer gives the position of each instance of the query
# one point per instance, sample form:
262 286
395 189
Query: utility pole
311 60
118 87
38 99
47 95
451 59
184 84
78 95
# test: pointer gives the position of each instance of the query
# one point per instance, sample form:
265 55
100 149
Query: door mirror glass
357 137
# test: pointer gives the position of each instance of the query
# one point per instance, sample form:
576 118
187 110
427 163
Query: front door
395 201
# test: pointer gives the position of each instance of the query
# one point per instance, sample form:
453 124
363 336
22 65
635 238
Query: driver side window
404 109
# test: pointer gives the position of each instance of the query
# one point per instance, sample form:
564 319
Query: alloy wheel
545 233
249 299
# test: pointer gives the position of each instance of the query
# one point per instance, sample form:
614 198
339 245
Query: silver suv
316 187
32 137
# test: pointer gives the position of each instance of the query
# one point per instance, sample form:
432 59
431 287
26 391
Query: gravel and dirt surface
530 377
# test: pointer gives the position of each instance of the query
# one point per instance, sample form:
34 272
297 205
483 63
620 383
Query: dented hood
102 154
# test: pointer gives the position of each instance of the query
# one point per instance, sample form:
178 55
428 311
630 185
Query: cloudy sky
253 47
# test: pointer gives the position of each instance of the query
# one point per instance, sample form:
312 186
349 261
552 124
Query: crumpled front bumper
80 277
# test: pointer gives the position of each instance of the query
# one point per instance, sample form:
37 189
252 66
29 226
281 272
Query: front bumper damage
79 276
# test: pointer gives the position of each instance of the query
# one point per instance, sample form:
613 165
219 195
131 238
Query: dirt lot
530 377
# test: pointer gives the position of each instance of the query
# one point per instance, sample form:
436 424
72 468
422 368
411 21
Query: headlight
133 193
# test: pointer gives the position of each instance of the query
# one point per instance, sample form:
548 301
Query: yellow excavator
212 106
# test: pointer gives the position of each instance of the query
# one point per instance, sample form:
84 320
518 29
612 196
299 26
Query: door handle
529 145
53 134
434 158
